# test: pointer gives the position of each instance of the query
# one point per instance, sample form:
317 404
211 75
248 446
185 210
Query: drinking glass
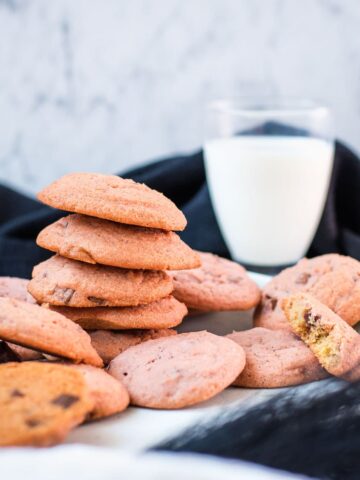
268 164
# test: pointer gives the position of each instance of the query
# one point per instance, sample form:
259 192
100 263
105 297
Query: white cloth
77 462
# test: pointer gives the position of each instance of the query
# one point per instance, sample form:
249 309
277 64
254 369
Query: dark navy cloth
182 178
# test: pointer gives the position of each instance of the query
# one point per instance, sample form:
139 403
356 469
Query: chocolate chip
65 400
272 301
64 294
310 318
303 278
32 422
17 393
6 354
97 300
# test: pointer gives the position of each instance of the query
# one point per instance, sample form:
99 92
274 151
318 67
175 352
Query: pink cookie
113 198
333 279
218 284
110 344
25 354
178 371
109 395
275 359
13 287
164 313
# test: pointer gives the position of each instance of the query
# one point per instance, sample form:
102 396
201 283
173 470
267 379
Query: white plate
139 428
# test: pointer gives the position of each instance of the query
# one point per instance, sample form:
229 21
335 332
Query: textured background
104 84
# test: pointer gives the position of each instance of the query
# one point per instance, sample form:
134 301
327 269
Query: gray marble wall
104 84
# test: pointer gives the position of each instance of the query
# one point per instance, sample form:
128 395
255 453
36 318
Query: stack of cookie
112 253
116 263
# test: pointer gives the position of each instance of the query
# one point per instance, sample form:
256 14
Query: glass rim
268 105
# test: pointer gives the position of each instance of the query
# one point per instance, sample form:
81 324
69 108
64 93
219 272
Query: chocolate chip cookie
333 279
7 354
13 287
49 332
108 394
218 284
110 344
164 313
113 198
40 403
178 371
24 354
275 359
61 281
93 240
334 342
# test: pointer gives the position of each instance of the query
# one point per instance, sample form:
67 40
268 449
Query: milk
268 194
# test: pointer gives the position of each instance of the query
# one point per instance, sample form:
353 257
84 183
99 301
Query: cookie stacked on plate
111 255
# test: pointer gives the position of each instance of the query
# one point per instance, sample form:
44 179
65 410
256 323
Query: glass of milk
268 166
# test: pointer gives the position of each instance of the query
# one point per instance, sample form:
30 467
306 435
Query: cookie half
108 394
40 403
165 313
49 332
275 359
218 284
333 279
113 198
178 371
110 344
332 340
61 281
93 240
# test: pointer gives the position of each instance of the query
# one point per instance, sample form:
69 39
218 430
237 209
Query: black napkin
182 178
310 430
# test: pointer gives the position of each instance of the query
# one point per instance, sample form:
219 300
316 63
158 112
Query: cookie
108 394
333 279
49 332
110 344
40 403
275 359
334 342
218 284
93 240
113 198
7 354
178 371
24 354
13 287
61 281
165 313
